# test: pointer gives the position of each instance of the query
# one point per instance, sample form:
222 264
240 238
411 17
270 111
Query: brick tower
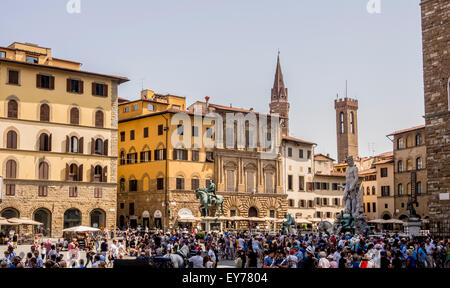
279 99
346 128
436 69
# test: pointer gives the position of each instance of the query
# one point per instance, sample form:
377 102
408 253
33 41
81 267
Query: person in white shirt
197 260
323 262
212 254
292 259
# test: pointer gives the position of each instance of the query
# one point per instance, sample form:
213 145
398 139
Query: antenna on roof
346 89
142 83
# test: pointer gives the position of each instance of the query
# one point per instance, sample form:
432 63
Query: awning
81 229
302 221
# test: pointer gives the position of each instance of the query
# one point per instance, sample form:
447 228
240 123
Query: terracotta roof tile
407 130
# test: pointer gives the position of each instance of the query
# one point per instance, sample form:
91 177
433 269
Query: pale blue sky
227 49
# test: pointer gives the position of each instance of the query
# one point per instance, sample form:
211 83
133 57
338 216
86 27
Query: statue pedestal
212 224
413 225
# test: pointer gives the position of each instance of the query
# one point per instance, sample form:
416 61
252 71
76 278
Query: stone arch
97 218
44 216
160 146
145 148
10 212
160 174
132 177
15 98
72 217
386 215
253 212
17 165
403 217
5 136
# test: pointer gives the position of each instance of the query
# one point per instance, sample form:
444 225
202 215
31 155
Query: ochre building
58 144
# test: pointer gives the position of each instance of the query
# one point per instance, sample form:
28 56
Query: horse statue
178 259
209 198
286 226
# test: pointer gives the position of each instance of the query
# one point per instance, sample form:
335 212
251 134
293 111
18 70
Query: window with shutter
180 183
195 155
11 140
73 191
160 129
45 113
195 183
12 109
97 192
99 119
74 116
13 77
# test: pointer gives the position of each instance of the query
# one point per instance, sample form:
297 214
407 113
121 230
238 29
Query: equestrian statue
209 198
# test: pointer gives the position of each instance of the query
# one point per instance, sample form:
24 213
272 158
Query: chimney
328 155
251 109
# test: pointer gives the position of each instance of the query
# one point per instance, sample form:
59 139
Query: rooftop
407 130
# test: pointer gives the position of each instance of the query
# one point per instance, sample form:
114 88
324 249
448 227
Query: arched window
342 122
12 109
45 113
122 185
72 218
11 173
373 190
98 173
400 166
11 169
73 172
74 144
44 142
99 119
43 171
368 191
99 147
418 139
352 123
122 158
400 189
419 163
74 116
11 140
150 107
252 212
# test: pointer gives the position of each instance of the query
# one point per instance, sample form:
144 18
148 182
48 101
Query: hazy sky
227 49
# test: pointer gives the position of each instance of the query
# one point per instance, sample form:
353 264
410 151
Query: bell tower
279 99
346 128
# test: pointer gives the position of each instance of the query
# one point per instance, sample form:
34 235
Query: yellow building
157 175
58 140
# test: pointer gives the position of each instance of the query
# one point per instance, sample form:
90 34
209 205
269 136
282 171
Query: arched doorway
72 218
403 217
252 212
10 213
98 218
44 216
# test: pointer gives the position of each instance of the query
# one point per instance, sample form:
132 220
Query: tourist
197 260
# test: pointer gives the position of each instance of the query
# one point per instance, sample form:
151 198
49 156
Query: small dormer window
126 109
31 59
135 107
150 107
2 54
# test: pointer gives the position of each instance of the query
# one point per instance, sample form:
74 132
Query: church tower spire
279 99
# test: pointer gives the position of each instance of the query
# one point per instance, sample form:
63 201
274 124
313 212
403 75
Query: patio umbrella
13 221
25 221
393 221
4 221
377 221
81 229
302 221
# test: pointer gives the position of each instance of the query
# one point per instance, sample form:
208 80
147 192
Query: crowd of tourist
243 249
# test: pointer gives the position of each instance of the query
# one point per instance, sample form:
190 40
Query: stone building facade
410 173
58 141
436 67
